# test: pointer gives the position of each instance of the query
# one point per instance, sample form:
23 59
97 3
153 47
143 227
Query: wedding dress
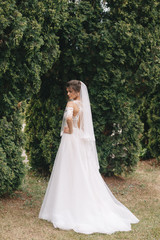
77 197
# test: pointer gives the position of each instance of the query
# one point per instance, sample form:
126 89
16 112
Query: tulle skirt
77 197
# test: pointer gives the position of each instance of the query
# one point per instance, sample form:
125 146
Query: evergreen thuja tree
74 42
143 113
12 27
29 47
110 50
11 142
43 122
88 52
154 123
133 28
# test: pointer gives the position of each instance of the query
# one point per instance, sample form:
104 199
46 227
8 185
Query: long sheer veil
86 125
86 118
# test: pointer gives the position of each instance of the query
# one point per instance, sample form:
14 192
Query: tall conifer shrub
29 47
154 123
114 52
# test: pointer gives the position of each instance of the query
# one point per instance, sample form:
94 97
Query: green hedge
104 55
43 123
46 43
11 161
143 113
29 47
118 130
154 123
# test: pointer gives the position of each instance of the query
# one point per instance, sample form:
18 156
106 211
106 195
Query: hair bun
75 85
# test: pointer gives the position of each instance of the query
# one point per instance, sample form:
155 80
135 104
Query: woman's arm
70 125
69 118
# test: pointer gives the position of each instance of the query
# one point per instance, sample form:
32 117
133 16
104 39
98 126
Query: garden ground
140 192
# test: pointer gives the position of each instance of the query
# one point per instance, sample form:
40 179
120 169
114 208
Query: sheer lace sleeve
68 112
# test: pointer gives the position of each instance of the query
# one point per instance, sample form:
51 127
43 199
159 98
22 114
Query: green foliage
11 140
29 43
116 54
29 47
154 123
136 29
43 119
118 131
138 42
142 110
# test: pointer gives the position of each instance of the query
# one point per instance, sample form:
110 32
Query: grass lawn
140 192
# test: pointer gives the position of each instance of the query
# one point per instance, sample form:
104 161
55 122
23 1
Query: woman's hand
66 130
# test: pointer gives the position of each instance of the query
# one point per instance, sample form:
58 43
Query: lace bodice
69 113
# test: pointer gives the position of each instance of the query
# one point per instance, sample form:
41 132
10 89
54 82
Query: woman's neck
75 99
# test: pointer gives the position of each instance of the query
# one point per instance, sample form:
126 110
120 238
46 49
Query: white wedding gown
77 197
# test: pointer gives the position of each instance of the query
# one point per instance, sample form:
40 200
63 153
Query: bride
77 197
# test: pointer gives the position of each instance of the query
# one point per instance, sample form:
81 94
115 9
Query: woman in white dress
77 197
